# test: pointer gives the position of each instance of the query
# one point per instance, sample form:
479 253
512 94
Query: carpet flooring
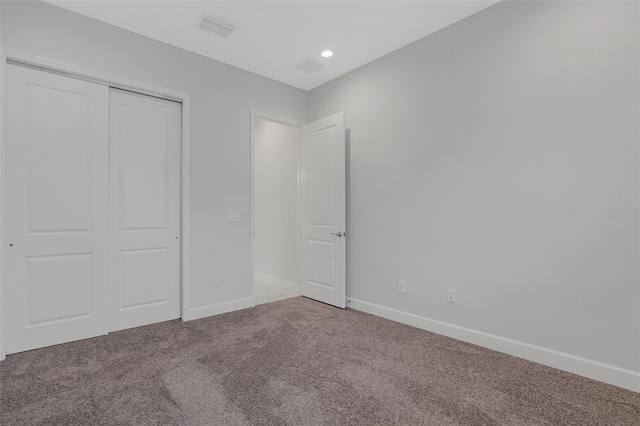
295 362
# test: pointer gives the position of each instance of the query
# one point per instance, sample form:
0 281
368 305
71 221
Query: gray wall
221 101
483 158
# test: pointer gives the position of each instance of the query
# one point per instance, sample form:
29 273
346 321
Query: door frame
110 80
255 114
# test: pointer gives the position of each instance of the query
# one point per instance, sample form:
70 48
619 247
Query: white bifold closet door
57 227
145 145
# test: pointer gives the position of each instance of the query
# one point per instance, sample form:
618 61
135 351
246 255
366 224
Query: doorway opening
275 207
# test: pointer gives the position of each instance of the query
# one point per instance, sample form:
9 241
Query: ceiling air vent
308 66
216 25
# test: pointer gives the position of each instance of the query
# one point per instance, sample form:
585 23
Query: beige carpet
295 362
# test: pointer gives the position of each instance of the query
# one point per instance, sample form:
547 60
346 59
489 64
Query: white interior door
323 210
56 209
145 205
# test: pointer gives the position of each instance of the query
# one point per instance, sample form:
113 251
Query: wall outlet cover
451 295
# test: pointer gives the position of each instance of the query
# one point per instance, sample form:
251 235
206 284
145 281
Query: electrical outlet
216 281
451 295
402 286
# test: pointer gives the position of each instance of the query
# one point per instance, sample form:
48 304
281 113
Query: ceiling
273 36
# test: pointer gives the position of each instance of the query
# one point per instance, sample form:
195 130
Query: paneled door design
145 159
323 174
57 168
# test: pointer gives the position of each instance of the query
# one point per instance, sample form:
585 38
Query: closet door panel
56 209
144 210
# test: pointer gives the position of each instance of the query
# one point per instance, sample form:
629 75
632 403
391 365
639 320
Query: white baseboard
606 373
219 308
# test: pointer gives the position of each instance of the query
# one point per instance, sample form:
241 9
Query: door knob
339 234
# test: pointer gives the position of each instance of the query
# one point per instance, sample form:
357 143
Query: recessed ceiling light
327 54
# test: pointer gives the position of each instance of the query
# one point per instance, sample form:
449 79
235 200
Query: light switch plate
233 216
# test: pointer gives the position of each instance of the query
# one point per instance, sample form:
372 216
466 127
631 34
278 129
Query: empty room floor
295 362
